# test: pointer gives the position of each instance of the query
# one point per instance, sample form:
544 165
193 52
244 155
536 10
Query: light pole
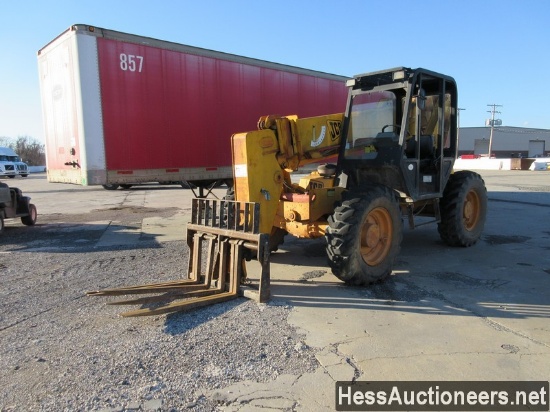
494 106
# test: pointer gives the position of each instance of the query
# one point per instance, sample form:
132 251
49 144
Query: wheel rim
472 209
376 236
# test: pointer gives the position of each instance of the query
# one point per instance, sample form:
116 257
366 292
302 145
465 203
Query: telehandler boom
389 156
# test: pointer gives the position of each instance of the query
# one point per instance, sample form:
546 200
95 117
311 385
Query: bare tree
28 149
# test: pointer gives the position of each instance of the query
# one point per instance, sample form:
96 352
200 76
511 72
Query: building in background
508 142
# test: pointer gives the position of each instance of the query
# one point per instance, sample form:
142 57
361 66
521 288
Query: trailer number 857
130 62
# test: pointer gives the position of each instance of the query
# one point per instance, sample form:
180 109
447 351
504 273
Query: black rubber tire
110 187
11 176
463 209
125 187
349 233
1 224
276 238
206 184
30 219
187 185
24 175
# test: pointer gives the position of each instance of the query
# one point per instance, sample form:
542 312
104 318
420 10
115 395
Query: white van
11 164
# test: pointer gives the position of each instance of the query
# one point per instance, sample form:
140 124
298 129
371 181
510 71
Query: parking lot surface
478 313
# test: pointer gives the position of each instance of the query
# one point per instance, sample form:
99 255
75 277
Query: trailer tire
364 235
110 187
463 209
30 219
1 224
229 194
24 175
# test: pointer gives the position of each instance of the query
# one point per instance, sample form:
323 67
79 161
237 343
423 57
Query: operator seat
427 150
426 147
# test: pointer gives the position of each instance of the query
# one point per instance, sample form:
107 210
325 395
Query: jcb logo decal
334 128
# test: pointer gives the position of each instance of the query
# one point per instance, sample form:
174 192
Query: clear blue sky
497 50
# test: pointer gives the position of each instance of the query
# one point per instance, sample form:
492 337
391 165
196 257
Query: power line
494 106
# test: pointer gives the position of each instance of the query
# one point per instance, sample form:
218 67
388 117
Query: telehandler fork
228 232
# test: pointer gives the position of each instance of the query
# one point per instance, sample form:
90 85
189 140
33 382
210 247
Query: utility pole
458 128
494 106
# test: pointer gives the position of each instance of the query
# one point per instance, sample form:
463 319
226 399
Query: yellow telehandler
387 158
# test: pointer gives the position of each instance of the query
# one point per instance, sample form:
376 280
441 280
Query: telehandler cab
393 148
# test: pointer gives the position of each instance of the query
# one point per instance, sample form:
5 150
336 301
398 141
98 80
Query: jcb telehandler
393 148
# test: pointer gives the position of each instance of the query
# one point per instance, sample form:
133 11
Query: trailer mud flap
222 236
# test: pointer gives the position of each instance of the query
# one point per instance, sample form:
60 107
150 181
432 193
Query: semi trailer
121 109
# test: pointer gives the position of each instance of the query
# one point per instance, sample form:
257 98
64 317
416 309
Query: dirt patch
75 230
469 281
312 275
120 214
505 239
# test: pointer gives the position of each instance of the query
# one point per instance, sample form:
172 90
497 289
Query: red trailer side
168 110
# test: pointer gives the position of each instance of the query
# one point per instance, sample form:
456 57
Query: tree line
30 150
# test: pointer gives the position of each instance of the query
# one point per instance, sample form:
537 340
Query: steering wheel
396 127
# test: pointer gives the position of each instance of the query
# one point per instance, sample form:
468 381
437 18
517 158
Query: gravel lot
62 350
